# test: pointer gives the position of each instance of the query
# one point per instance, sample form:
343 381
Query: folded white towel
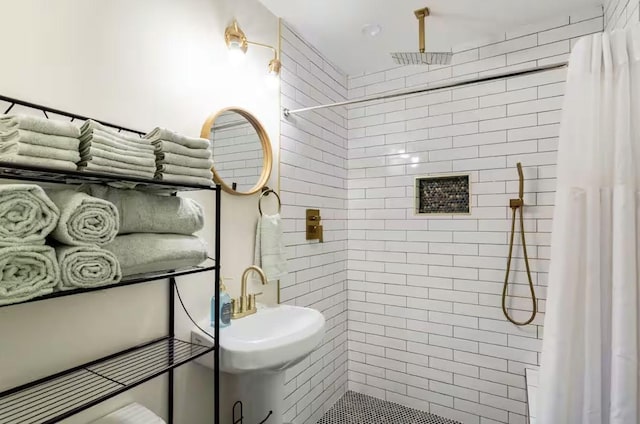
181 160
183 170
110 144
27 271
131 414
120 156
159 134
165 146
142 212
38 139
102 161
41 162
91 125
84 220
270 253
143 253
115 140
27 214
23 149
86 266
183 179
93 167
41 125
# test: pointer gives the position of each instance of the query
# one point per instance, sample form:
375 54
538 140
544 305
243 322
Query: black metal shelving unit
61 395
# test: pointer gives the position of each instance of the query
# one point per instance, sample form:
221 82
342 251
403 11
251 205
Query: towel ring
265 193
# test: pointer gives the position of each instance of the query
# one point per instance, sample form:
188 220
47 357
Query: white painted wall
140 64
620 13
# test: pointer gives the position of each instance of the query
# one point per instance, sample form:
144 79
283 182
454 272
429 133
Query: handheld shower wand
518 205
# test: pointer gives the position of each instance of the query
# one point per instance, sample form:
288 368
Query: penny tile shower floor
356 408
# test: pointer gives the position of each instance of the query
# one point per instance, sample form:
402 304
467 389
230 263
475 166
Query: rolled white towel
84 220
184 170
27 214
159 134
86 266
181 160
27 271
38 139
183 179
110 170
23 149
165 146
143 253
41 125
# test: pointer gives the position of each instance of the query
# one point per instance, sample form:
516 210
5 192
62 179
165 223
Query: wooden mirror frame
267 161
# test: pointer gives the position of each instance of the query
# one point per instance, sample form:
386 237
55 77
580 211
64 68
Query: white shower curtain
589 370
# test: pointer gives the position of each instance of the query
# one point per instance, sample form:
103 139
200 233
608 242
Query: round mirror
240 149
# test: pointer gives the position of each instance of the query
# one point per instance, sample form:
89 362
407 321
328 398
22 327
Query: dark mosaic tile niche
356 408
442 195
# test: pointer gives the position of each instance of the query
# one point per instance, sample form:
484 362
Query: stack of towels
34 141
181 159
105 150
28 268
155 231
96 236
85 224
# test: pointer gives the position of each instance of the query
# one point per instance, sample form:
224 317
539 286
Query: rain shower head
422 57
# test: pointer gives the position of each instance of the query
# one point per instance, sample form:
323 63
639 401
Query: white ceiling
334 26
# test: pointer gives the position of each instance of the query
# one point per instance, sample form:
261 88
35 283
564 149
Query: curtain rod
461 83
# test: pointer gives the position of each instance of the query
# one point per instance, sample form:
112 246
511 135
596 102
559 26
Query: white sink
272 339
255 351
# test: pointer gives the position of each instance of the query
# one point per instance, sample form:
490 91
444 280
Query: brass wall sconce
238 44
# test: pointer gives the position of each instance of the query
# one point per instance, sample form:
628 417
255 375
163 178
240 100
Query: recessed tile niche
442 194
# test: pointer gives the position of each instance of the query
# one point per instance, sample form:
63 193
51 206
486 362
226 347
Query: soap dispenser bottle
225 307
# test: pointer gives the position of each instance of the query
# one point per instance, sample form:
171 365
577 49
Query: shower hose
517 205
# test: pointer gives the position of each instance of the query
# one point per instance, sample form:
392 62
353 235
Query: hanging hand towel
159 134
86 266
174 159
165 146
142 212
270 253
183 179
27 214
84 220
38 139
27 271
40 125
143 253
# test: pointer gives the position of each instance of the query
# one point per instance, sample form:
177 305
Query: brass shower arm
421 14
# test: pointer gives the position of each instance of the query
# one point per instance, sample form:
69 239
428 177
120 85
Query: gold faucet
246 305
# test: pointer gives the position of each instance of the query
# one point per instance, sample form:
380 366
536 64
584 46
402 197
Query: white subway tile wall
621 13
425 325
313 174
